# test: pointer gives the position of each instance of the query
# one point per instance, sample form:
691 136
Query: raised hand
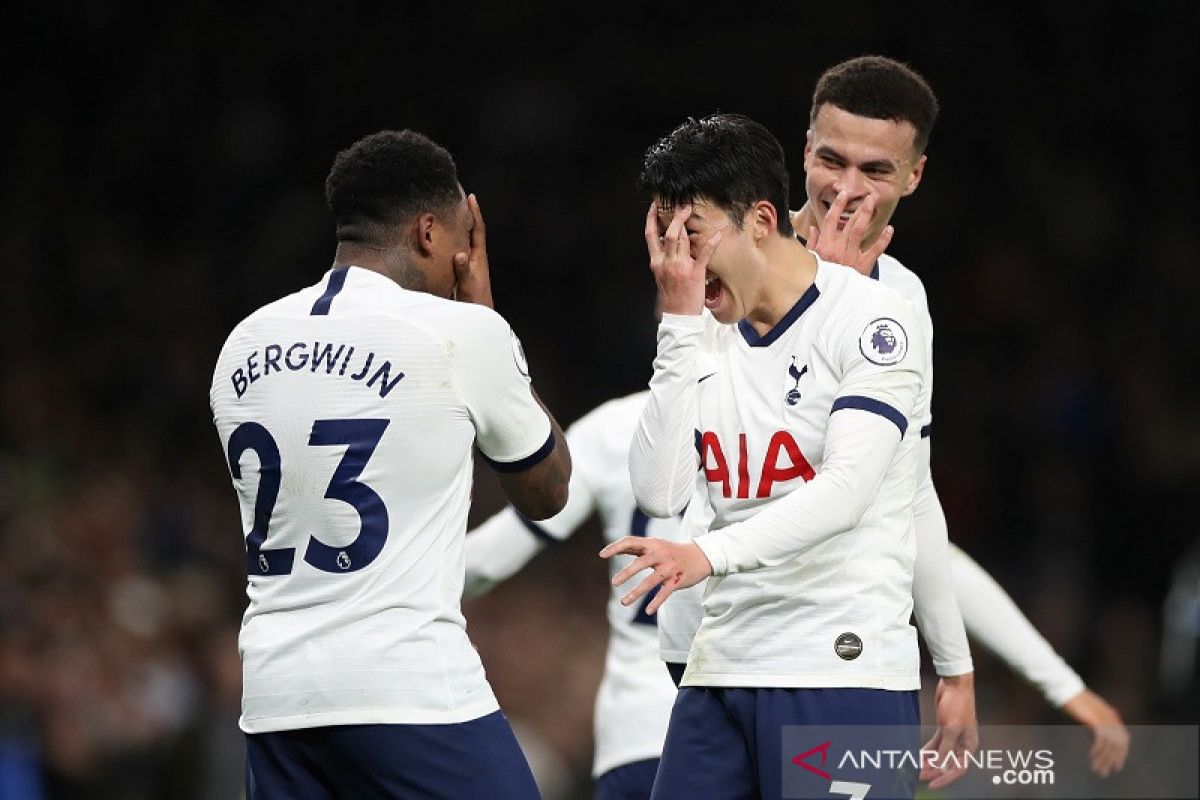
680 277
471 271
845 246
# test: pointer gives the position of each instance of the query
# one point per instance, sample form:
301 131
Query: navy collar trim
875 270
754 340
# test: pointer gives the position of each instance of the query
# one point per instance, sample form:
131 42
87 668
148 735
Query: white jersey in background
812 557
348 412
633 703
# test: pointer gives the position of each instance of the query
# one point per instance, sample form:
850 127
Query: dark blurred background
162 176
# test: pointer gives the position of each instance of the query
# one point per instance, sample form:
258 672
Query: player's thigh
888 720
705 754
628 781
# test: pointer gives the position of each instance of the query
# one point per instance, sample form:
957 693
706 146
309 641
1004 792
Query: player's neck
788 272
392 262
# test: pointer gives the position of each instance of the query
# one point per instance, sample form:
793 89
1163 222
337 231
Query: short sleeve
512 431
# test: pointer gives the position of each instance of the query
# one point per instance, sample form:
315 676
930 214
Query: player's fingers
626 544
836 209
479 232
706 251
665 590
872 253
929 770
653 232
860 220
674 236
637 592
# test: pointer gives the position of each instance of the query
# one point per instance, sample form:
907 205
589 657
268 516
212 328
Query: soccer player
635 695
869 124
794 394
348 411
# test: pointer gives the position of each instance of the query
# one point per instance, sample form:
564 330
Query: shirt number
360 437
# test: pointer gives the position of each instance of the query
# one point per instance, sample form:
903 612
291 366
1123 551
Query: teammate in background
869 125
635 695
348 411
804 476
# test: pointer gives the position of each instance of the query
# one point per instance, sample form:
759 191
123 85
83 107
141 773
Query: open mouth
712 290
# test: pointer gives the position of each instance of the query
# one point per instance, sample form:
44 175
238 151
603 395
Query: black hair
728 159
880 88
386 179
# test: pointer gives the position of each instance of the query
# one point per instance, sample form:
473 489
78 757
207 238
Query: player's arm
941 625
539 490
515 433
495 382
507 540
934 602
994 620
867 424
662 456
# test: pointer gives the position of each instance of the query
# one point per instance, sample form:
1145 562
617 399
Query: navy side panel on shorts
727 743
476 759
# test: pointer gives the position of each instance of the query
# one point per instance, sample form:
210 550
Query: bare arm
540 491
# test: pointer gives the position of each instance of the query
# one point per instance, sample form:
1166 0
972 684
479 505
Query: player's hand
673 566
471 273
1110 737
845 246
680 277
957 733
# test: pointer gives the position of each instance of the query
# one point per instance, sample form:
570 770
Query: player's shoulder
903 280
850 293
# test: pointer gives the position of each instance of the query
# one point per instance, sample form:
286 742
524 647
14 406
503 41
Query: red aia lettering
773 472
716 466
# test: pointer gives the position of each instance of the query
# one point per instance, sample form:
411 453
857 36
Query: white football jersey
633 703
680 618
837 613
348 412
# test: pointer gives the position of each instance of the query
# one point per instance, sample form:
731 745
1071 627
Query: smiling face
863 156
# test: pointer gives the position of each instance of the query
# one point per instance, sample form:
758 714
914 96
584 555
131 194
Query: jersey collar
754 340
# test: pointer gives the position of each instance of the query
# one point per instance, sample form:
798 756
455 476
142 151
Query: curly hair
726 158
387 178
880 88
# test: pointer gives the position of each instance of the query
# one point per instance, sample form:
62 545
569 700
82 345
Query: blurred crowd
157 186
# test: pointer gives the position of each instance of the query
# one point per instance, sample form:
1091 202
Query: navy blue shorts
628 781
729 743
475 759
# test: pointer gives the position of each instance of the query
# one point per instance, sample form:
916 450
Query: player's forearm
497 549
662 456
993 619
934 601
861 446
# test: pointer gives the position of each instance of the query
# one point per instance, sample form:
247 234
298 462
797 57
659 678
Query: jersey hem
377 716
730 680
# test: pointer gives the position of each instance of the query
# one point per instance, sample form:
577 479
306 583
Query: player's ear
808 139
424 233
914 177
764 218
